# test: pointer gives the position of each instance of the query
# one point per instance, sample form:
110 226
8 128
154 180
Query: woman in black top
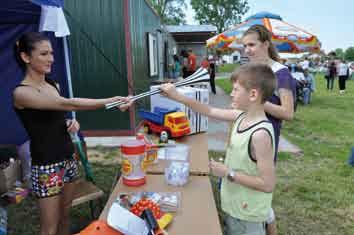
41 109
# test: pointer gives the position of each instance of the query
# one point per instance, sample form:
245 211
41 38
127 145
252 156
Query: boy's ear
254 94
266 43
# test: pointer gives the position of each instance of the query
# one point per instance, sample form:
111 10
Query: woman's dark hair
264 35
184 53
26 43
175 58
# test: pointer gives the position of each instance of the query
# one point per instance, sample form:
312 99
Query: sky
331 21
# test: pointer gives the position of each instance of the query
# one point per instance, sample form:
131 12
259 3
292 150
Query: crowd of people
303 72
337 68
305 82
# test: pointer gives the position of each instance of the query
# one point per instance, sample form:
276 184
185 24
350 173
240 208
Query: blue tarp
16 18
56 3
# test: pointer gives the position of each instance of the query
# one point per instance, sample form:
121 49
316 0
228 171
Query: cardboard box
9 175
198 122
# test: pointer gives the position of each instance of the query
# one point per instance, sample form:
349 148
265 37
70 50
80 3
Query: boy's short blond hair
256 76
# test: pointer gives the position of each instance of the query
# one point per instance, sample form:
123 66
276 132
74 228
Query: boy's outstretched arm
170 91
262 151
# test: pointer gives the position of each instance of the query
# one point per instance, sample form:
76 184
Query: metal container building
118 47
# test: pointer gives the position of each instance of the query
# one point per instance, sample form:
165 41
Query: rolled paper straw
201 75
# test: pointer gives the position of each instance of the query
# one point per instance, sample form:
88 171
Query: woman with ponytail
258 46
41 109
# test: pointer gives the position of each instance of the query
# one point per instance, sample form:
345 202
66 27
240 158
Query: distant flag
52 17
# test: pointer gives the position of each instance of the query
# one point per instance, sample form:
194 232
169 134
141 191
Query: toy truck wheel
164 136
147 129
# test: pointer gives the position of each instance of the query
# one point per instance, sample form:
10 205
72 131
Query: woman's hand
127 104
218 169
73 126
123 107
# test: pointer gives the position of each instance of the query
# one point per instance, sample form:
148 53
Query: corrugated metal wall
171 49
98 63
142 21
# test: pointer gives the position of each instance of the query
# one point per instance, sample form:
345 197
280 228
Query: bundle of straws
201 75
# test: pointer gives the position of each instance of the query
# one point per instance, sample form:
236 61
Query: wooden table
199 159
197 214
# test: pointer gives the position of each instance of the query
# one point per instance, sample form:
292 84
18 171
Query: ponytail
26 44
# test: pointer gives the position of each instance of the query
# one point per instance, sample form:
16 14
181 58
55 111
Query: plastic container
180 152
177 172
133 164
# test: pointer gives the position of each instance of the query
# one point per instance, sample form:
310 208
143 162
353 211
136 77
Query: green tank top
236 200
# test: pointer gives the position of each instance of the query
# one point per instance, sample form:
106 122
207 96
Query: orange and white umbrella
286 37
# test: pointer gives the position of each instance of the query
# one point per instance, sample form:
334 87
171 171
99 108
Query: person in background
258 47
41 109
297 73
305 64
192 62
343 74
248 173
303 83
176 69
184 55
310 85
205 63
212 71
332 73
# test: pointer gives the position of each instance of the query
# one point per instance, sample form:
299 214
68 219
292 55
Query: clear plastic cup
177 171
180 152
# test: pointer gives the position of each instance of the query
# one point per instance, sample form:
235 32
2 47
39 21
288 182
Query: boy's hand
218 169
169 90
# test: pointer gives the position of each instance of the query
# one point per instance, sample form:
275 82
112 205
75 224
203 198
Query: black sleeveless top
50 140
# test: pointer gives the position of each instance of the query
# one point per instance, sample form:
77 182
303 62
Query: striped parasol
286 37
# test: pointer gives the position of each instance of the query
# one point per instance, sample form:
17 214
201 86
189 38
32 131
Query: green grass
225 84
227 68
314 194
23 218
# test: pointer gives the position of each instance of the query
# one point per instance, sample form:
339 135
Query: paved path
218 130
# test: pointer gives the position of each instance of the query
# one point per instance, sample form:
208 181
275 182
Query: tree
339 53
221 13
349 54
170 11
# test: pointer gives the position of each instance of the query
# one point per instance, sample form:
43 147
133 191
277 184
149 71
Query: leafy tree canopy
339 53
349 54
170 11
220 13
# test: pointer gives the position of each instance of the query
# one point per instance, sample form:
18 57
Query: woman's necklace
36 85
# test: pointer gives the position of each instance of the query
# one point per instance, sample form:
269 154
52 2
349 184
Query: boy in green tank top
248 173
